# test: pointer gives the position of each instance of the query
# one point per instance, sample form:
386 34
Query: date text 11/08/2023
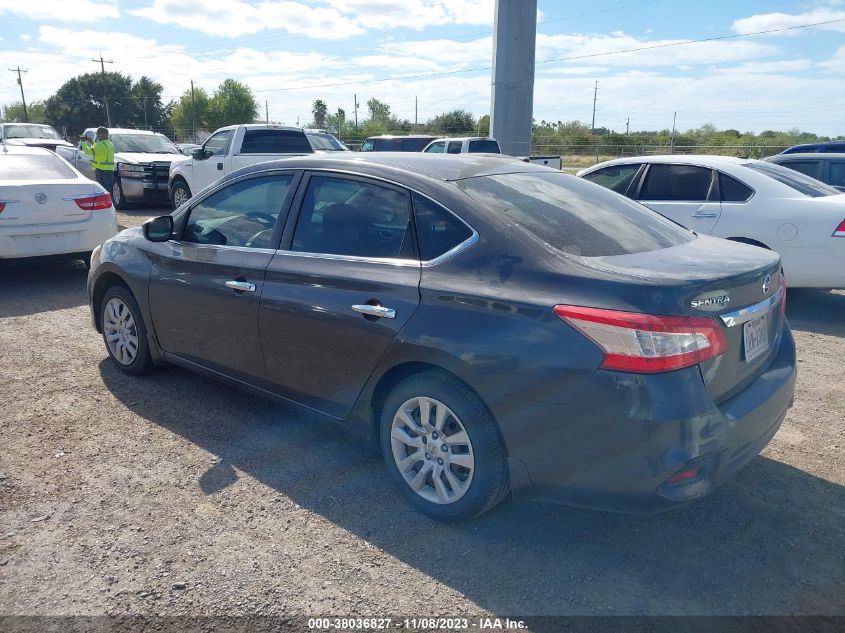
413 624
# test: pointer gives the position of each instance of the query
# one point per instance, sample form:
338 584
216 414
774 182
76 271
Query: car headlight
129 170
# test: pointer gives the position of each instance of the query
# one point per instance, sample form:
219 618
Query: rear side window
836 173
34 167
385 145
275 142
413 144
350 217
454 147
676 183
484 146
438 230
807 167
731 190
575 216
793 179
616 178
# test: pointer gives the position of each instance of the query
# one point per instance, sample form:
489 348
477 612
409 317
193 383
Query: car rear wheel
443 448
181 193
124 332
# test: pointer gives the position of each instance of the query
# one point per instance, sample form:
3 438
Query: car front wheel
443 448
117 195
180 193
124 332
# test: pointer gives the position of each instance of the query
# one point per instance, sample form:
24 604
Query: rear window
34 167
575 216
275 142
798 181
484 146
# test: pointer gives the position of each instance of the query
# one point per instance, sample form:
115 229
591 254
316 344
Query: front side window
386 145
438 230
436 148
574 216
731 190
215 144
454 147
793 179
368 146
243 214
616 177
807 167
676 183
264 141
340 216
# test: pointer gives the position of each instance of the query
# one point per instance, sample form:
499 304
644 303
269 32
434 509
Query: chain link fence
580 156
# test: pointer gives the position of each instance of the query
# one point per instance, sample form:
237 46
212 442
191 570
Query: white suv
468 145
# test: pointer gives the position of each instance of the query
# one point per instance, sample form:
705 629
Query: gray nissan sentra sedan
497 327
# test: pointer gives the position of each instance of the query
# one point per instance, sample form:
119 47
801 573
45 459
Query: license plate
755 335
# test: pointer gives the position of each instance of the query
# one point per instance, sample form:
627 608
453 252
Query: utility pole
672 141
627 126
193 115
595 98
266 112
145 112
416 111
103 63
355 97
20 83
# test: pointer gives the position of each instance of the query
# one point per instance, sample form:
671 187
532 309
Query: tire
180 193
130 330
117 198
473 475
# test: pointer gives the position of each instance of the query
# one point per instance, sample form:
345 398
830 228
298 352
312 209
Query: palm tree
319 109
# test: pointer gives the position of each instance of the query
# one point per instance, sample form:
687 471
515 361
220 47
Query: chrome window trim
737 317
243 249
390 261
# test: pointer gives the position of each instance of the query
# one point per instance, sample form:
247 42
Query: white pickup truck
230 148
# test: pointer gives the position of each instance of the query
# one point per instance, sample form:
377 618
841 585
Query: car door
687 194
205 285
210 168
344 282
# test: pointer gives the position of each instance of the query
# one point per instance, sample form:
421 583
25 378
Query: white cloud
769 21
233 18
835 63
62 10
415 14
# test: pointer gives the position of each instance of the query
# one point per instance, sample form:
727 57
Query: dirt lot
172 494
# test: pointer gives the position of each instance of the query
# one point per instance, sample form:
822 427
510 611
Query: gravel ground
171 494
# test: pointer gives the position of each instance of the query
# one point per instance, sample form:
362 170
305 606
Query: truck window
268 141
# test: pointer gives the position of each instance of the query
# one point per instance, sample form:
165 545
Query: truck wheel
117 195
180 193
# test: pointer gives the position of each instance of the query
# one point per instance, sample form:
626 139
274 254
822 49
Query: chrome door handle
241 286
705 214
376 311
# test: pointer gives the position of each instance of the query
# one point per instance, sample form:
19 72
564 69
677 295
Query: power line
559 59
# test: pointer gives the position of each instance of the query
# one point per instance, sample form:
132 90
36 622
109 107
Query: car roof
702 160
467 138
24 149
25 123
443 167
804 156
392 136
126 130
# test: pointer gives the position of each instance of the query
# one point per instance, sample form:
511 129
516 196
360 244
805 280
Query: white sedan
745 200
49 208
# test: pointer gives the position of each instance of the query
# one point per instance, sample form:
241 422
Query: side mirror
198 153
159 229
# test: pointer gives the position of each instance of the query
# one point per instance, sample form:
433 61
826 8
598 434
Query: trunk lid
46 202
736 284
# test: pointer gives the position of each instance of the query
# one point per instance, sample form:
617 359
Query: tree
337 122
78 103
319 109
34 112
484 125
455 122
232 103
379 112
183 117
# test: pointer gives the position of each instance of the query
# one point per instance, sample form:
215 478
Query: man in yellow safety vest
101 152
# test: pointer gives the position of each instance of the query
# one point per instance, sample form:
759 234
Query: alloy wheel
180 197
432 450
120 331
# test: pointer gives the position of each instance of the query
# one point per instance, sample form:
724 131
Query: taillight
2 206
840 230
645 343
94 203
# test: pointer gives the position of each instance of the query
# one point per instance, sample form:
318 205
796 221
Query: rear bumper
628 434
57 239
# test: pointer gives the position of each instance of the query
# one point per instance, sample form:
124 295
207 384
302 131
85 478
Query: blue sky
283 48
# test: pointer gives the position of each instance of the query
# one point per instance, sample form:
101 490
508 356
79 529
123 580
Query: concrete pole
512 107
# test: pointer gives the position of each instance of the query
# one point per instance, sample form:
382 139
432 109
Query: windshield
325 142
143 143
31 131
575 216
800 182
34 167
